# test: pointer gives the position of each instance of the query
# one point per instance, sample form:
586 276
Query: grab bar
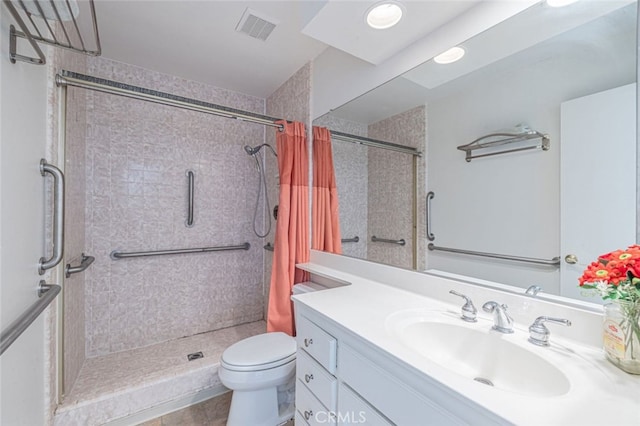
115 255
84 264
430 196
58 217
46 294
400 242
350 240
191 177
268 247
552 262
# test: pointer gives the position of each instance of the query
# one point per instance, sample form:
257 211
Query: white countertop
599 394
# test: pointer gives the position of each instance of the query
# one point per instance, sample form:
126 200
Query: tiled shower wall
137 156
351 167
391 188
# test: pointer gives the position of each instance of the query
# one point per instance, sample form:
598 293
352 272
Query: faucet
502 321
468 310
539 333
533 290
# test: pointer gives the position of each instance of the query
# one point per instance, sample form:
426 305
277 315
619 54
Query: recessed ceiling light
384 15
560 3
451 55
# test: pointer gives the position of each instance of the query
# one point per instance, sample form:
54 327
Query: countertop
599 393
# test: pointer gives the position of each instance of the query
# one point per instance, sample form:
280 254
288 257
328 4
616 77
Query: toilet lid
260 352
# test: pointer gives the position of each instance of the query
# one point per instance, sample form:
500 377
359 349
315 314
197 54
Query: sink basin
474 351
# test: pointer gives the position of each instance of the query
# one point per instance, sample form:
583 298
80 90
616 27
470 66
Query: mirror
523 73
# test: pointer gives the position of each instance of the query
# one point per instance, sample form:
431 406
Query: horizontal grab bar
84 264
115 255
46 294
268 247
351 240
400 242
552 262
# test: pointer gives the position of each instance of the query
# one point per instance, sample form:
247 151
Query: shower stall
146 323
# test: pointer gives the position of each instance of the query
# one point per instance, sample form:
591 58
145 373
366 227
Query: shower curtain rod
68 78
361 140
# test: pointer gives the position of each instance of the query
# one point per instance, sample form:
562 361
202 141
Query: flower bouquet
615 277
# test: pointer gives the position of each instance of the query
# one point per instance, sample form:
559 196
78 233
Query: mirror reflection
568 73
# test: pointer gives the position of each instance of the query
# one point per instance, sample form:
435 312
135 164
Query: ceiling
534 35
197 40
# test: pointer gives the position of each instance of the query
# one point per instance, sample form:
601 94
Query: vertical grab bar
430 235
58 217
191 177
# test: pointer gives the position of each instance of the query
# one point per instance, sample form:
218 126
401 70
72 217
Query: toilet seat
260 352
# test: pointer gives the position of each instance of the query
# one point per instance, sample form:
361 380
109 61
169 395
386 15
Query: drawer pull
308 377
308 414
308 342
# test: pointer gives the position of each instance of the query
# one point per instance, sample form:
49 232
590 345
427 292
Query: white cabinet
345 380
316 385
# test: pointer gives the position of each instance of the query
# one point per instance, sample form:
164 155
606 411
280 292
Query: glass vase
621 334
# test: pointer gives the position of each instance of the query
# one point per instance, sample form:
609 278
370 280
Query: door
597 181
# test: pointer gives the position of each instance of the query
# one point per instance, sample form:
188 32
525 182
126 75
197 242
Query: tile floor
212 412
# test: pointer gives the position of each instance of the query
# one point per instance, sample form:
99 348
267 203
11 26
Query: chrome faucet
539 333
533 290
502 321
469 311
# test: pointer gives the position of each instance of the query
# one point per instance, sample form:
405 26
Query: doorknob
571 259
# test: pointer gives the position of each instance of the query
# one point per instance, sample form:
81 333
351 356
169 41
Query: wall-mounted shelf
512 142
56 23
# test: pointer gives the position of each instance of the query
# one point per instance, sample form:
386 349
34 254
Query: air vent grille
256 25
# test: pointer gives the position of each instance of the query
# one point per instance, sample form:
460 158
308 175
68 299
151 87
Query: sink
473 351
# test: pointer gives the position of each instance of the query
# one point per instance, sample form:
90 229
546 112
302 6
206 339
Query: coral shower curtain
325 220
291 244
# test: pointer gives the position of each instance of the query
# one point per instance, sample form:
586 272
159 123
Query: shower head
252 151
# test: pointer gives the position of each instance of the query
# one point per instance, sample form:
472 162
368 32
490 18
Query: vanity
388 346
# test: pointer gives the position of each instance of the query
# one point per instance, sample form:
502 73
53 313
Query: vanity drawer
322 384
397 401
317 342
310 408
354 410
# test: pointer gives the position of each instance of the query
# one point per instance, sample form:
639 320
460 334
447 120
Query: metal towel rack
400 242
58 217
115 255
350 240
84 264
46 294
505 138
551 262
42 31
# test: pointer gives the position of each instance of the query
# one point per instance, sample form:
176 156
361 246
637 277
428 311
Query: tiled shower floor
116 374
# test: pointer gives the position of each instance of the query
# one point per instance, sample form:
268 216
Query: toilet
260 370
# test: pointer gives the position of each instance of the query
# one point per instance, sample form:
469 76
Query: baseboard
169 407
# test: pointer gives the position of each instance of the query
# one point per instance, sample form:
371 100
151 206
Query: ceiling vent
256 25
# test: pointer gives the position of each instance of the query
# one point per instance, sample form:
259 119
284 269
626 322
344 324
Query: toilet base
267 407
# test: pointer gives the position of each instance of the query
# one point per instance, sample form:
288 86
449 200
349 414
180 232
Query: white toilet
260 370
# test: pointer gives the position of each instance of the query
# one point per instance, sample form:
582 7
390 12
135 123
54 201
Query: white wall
509 203
23 136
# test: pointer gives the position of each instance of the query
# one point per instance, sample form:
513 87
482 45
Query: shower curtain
291 244
325 218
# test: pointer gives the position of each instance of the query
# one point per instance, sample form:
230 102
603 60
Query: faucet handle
539 333
532 290
468 310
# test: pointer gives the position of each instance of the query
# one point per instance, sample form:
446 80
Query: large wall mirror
568 73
